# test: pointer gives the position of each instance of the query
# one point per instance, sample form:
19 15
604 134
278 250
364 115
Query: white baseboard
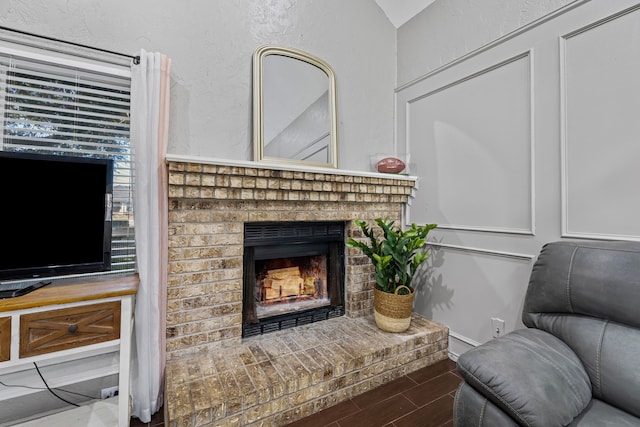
459 344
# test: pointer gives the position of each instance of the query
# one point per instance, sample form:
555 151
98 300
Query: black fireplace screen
293 274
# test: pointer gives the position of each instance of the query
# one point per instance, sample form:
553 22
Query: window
57 106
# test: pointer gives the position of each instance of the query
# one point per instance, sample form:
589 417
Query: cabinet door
66 328
5 338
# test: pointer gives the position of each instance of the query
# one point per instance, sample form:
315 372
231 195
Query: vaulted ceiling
400 11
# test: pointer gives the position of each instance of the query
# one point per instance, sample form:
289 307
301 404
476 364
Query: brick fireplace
210 202
208 207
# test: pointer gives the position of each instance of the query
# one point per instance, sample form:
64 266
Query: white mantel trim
285 167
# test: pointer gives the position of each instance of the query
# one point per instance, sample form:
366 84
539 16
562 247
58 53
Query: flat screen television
55 215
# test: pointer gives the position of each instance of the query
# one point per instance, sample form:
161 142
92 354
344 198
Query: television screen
55 215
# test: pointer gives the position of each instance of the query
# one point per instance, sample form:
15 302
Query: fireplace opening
293 274
299 281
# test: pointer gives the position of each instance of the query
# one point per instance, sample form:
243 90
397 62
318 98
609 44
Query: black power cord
50 390
3 384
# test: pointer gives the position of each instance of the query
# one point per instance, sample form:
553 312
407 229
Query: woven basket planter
392 312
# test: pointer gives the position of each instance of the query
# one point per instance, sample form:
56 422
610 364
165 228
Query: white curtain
149 133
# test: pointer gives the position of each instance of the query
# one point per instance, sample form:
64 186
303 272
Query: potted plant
396 255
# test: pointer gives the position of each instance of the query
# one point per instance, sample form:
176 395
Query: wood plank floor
421 399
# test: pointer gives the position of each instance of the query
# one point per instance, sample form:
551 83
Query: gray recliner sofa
578 361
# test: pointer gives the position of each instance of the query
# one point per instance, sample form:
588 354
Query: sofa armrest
470 408
531 375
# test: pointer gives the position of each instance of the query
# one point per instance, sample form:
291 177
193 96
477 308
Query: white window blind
55 108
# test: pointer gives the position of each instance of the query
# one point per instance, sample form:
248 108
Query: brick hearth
281 377
214 377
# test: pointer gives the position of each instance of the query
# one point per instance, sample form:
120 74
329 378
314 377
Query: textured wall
449 29
211 43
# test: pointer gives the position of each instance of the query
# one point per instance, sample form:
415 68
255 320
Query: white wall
449 29
530 139
211 43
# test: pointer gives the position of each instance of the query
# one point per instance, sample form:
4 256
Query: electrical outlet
497 326
106 393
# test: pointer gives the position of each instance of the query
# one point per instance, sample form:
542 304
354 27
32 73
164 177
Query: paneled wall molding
576 235
471 76
574 198
526 232
600 22
569 82
495 43
492 252
525 225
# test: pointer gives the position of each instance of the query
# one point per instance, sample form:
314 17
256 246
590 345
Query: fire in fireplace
293 274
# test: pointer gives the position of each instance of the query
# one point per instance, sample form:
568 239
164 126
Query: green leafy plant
395 253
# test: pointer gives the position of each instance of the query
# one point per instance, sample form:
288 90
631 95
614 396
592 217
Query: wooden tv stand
65 322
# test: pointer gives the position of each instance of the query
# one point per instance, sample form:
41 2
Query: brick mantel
209 202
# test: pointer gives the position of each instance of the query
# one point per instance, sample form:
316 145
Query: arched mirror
294 108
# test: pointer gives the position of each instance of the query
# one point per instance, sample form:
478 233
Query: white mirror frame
258 104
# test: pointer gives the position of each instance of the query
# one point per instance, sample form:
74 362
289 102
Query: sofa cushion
587 294
548 387
600 414
591 278
608 351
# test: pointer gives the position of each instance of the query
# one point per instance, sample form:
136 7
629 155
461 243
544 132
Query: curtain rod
136 59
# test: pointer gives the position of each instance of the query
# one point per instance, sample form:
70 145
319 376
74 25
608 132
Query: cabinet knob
73 328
